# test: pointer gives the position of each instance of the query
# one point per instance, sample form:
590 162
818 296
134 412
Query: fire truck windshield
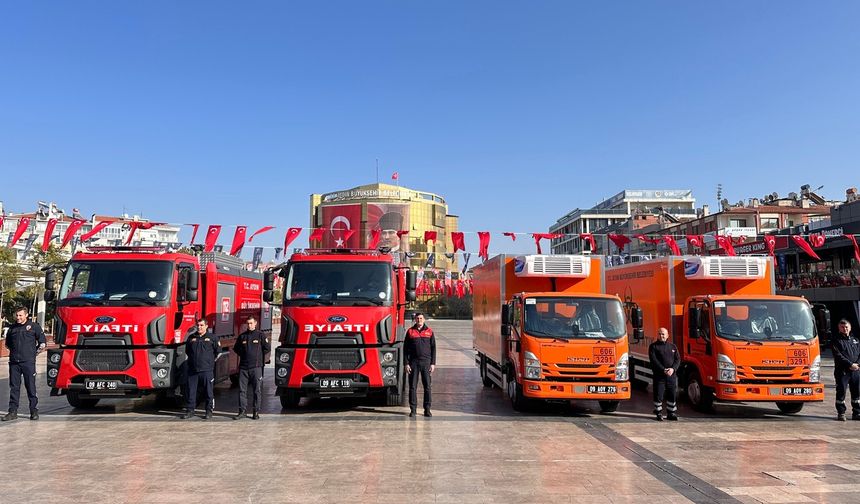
338 283
116 283
754 320
574 318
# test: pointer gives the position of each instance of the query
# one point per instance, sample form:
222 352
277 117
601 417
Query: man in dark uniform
846 370
420 353
251 347
665 362
202 349
25 339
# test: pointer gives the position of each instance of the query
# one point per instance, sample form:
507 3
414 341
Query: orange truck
737 340
544 329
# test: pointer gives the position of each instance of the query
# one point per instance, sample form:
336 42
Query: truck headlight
726 369
815 370
161 373
622 368
282 372
389 372
53 372
55 358
160 358
388 357
284 357
532 366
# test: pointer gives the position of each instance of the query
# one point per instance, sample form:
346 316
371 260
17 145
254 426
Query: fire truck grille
103 360
331 358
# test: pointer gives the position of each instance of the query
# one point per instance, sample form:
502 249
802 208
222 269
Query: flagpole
377 170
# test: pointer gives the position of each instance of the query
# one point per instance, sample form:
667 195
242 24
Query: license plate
797 391
101 384
335 383
604 359
602 389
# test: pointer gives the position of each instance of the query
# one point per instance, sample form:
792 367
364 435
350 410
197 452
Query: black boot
208 415
188 414
411 413
659 417
255 416
240 416
34 415
672 416
427 412
12 415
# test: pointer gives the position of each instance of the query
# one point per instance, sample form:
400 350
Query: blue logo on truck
104 319
519 265
337 319
691 268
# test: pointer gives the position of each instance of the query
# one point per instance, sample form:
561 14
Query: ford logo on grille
337 319
104 319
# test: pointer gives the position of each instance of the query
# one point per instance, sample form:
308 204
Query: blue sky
517 112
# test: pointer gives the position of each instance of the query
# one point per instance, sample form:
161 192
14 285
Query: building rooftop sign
354 194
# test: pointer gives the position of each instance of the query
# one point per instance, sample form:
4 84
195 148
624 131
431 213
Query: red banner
49 230
512 236
194 227
95 230
339 219
23 223
805 247
672 244
317 234
459 241
484 245
291 235
375 236
619 240
588 237
238 240
856 248
212 237
725 242
430 236
260 231
697 241
71 230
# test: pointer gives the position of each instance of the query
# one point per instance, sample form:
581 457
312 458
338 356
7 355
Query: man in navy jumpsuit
25 339
202 349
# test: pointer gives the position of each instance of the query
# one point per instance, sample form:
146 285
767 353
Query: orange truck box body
765 370
570 367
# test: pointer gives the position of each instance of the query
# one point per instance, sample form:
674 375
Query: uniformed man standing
251 347
846 370
420 353
202 349
25 339
665 362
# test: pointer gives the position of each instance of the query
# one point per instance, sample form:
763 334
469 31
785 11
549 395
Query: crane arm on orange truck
738 340
544 329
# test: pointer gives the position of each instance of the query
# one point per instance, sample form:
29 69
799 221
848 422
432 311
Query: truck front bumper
787 392
598 391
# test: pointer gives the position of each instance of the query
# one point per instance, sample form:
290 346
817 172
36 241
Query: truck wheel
485 379
700 396
234 379
608 406
515 394
394 396
789 408
290 399
77 401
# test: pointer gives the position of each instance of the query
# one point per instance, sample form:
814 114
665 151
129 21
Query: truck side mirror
506 315
50 279
411 296
638 335
411 280
49 295
268 296
268 280
822 319
506 330
636 317
192 284
695 315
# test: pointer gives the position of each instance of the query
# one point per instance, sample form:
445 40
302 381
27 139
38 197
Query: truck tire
395 396
76 400
789 408
515 393
290 399
700 396
609 406
485 379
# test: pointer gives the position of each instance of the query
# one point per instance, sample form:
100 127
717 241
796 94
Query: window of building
769 222
737 223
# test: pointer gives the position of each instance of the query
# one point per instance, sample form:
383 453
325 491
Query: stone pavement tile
834 497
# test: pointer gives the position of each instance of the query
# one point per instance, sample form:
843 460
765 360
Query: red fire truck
123 314
342 325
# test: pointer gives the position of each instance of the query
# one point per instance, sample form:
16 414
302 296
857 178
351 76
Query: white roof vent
568 266
722 268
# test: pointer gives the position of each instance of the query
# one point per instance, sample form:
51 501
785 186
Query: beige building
350 217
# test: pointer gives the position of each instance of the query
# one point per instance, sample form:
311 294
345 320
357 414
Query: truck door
516 334
698 344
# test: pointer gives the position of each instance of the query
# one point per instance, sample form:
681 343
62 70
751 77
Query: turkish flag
95 230
291 235
375 236
643 238
401 234
70 232
619 240
461 289
195 228
697 241
338 220
544 236
49 230
437 286
395 176
805 247
135 225
211 237
23 223
513 236
672 244
341 243
770 241
484 245
588 237
428 236
459 241
260 231
317 234
725 242
856 248
817 240
238 240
